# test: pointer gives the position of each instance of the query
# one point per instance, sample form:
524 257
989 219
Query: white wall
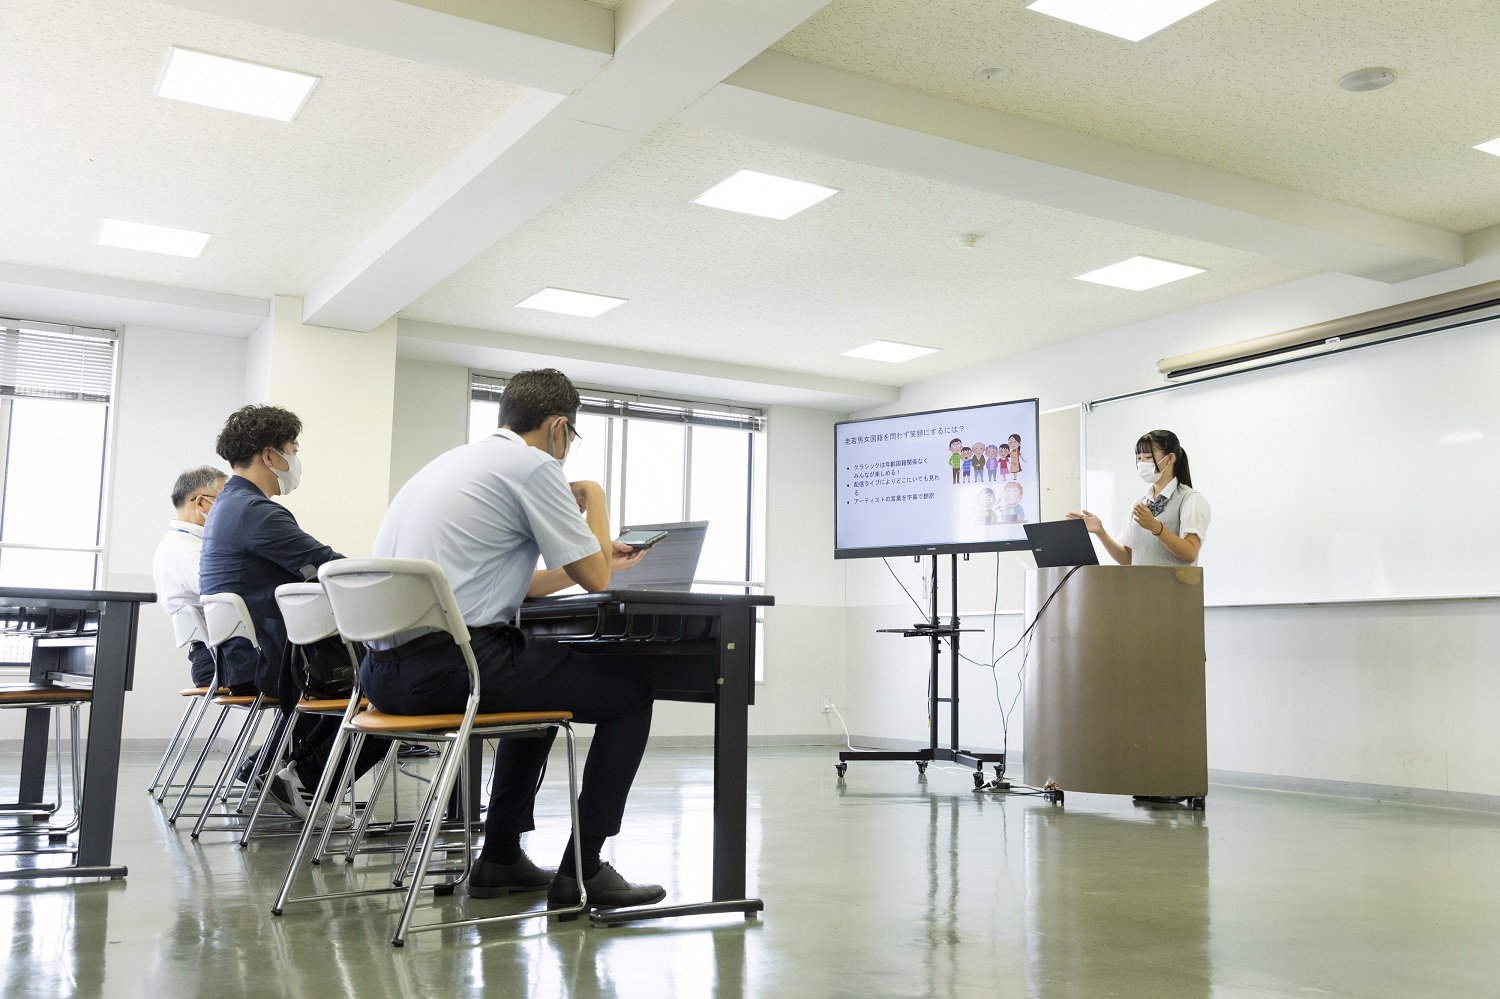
174 391
431 415
1368 693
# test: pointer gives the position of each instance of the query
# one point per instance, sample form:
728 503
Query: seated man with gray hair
175 565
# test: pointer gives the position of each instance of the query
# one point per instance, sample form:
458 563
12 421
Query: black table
695 647
110 619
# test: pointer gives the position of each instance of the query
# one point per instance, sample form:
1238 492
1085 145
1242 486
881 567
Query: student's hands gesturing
1143 516
1091 522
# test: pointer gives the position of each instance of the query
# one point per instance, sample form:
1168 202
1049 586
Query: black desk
695 647
110 619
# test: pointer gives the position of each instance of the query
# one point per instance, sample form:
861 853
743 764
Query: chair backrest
227 617
305 609
375 598
188 626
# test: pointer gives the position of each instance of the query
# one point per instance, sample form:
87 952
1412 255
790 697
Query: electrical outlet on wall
827 704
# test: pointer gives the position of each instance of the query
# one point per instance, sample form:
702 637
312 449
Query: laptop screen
672 564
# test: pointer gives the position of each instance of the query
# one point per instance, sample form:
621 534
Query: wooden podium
1114 689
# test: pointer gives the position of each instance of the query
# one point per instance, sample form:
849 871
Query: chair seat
334 704
243 700
28 693
377 721
198 691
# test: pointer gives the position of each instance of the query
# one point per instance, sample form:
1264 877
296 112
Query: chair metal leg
364 816
75 752
454 754
192 780
200 711
398 877
171 745
267 776
346 789
226 773
241 754
304 839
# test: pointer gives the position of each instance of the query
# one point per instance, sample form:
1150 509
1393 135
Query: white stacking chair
226 618
187 627
377 599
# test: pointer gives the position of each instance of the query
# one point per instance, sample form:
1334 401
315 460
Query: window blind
55 362
602 402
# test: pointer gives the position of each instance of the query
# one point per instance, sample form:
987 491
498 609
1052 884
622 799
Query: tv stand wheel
979 779
841 768
922 767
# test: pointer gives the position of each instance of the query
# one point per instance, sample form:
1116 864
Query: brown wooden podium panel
1115 684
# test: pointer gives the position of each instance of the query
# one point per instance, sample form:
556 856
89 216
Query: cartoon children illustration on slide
968 462
1010 508
984 507
991 461
1002 460
954 458
1015 455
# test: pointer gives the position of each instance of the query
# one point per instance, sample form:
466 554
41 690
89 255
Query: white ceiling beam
43 294
792 102
617 367
668 53
551 45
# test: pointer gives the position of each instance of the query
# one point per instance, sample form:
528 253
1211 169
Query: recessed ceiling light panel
1140 273
218 82
1373 78
571 303
1128 19
763 194
889 351
1492 147
152 238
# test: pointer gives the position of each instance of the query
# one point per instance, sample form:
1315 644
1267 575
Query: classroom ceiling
1224 142
87 138
1247 86
879 260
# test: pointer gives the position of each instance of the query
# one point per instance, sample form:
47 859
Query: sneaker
490 879
607 890
286 791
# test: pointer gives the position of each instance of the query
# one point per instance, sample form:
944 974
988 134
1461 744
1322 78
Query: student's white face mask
289 479
1148 472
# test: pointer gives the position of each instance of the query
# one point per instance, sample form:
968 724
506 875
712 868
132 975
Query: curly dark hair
532 396
251 429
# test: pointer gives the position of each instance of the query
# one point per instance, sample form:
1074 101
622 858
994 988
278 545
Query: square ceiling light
152 238
218 82
1128 19
1140 273
571 303
890 351
1492 147
763 194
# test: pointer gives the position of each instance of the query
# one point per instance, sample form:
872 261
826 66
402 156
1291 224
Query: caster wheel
922 766
979 780
1197 804
841 768
1055 796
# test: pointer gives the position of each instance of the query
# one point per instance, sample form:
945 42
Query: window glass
484 418
719 494
653 472
53 474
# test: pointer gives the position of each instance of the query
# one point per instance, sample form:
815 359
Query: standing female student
1167 525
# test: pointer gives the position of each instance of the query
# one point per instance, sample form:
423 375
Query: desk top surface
26 596
647 597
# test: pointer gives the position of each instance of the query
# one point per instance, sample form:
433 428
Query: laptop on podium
671 564
1061 543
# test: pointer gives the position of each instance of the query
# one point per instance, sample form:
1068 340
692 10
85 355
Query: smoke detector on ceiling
993 74
967 240
1372 78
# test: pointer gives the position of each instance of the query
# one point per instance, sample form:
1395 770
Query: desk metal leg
101 772
731 737
33 788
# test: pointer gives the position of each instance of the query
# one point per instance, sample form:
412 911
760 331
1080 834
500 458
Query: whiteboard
1367 474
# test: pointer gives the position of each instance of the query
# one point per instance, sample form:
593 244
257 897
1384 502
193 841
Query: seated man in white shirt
484 512
175 565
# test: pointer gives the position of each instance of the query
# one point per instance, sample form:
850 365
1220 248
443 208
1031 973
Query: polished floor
882 885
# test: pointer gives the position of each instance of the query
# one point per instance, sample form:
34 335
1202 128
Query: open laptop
1061 542
671 564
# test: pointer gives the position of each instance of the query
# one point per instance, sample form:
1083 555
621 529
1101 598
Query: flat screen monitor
914 484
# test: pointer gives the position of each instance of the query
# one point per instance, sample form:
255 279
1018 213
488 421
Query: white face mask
289 479
567 437
1148 472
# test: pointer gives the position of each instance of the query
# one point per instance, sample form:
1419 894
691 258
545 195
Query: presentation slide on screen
954 477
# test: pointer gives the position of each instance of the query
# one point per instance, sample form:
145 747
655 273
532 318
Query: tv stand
936 632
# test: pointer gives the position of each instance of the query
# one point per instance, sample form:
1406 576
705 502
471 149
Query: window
665 460
55 384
